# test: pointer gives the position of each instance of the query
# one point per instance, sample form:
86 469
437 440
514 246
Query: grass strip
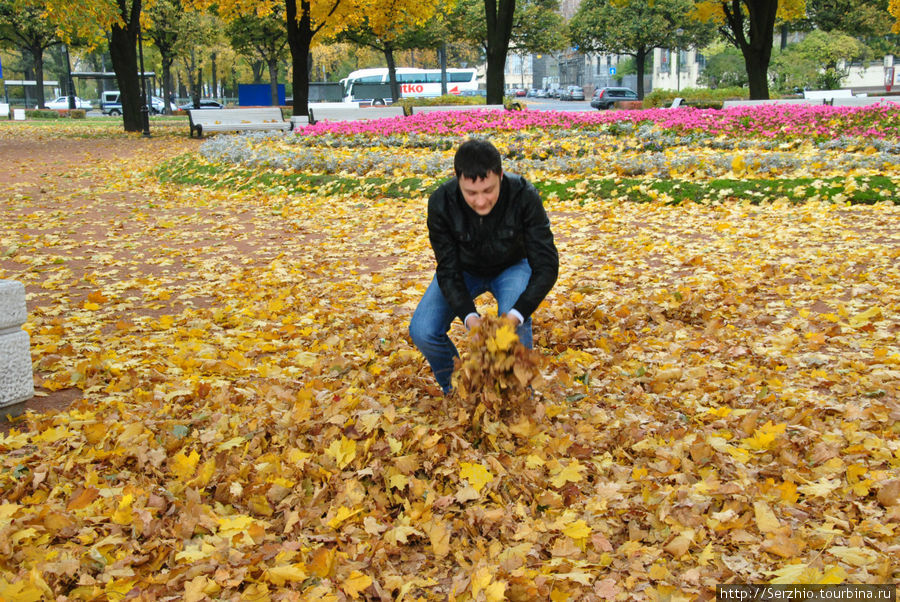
188 169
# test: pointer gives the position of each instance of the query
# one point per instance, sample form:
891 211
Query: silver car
572 93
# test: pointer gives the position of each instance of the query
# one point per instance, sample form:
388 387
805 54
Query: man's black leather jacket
516 228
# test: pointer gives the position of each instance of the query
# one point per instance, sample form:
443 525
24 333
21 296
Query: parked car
541 93
604 98
204 104
572 93
111 103
157 105
63 103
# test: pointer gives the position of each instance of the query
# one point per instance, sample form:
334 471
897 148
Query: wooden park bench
352 113
827 94
772 101
236 120
436 108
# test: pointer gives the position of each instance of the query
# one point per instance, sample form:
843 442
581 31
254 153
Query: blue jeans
432 319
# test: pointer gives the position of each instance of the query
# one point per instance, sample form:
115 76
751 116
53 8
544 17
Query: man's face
481 194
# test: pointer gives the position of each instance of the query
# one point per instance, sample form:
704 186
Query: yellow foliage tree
750 26
308 19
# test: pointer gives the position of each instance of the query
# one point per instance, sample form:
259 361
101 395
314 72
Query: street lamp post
145 110
678 33
69 83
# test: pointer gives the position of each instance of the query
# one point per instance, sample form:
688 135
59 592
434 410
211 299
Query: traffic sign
612 70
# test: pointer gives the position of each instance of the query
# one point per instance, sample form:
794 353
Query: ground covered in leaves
717 397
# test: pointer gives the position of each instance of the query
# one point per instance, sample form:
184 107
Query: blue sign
612 70
1 68
258 95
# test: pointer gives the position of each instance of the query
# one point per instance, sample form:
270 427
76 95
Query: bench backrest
229 116
826 94
436 108
771 101
352 114
865 101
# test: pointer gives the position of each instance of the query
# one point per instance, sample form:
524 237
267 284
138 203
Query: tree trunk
37 55
273 81
167 84
499 14
215 78
641 58
392 72
757 50
124 59
299 39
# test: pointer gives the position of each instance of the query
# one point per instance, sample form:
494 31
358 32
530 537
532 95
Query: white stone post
16 378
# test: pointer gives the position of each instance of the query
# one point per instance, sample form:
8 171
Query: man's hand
473 322
512 320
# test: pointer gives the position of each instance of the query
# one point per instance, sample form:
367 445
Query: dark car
204 104
604 98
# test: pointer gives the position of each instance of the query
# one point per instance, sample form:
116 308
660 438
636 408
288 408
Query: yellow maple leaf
343 451
355 583
205 474
477 475
764 436
766 520
505 338
279 575
183 466
864 318
577 530
342 515
439 535
123 515
570 473
480 580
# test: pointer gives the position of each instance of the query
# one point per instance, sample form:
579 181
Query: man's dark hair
476 158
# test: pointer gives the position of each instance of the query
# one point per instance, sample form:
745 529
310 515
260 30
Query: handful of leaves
495 374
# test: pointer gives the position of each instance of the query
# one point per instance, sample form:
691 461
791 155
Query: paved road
552 104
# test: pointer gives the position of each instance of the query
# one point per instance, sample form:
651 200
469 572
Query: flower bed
772 143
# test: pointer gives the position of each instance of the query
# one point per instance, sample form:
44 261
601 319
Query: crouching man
489 233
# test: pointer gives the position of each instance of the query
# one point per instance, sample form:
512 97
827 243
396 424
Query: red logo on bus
412 88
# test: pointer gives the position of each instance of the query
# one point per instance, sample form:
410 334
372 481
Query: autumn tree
866 20
263 38
821 59
536 26
89 20
24 25
394 27
199 32
635 28
167 24
750 26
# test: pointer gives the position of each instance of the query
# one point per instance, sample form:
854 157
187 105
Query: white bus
412 82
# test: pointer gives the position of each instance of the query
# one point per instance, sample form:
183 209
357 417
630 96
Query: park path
84 220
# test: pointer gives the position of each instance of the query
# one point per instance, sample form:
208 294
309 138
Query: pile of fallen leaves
495 377
718 403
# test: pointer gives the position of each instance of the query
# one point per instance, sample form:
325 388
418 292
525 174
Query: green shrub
41 114
695 97
447 99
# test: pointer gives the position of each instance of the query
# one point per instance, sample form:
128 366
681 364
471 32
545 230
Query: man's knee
421 332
